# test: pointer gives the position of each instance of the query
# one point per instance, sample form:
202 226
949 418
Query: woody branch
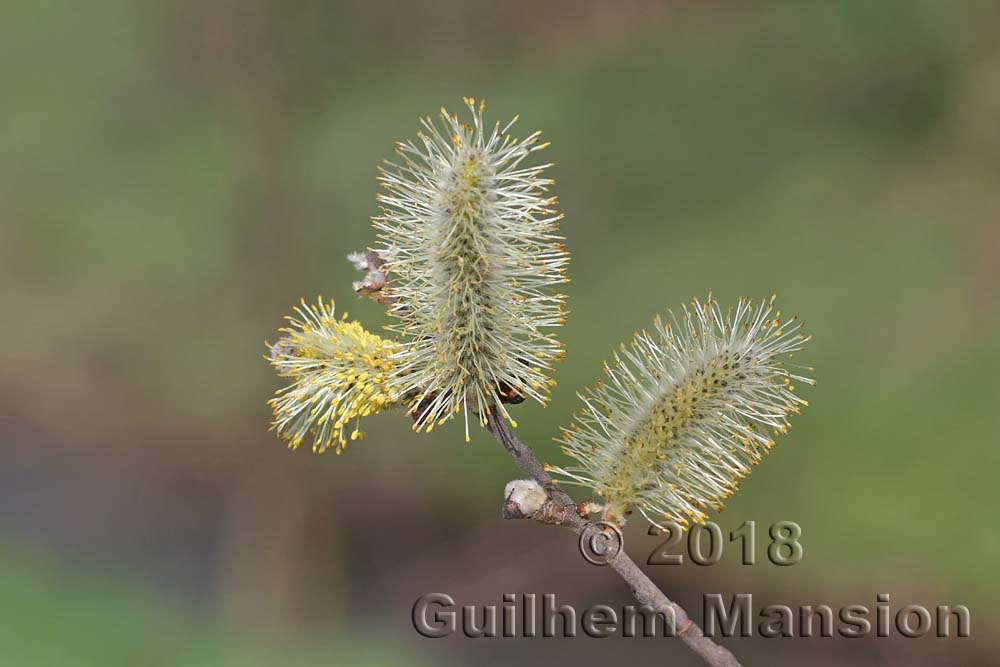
559 509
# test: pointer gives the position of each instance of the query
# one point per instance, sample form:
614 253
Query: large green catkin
688 411
469 237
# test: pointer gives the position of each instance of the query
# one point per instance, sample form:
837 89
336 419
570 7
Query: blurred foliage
53 619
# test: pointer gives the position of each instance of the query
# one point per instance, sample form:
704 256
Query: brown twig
560 509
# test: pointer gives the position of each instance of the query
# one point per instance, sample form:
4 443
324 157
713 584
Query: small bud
375 280
526 494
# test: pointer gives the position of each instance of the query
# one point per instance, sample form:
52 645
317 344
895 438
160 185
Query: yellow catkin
338 373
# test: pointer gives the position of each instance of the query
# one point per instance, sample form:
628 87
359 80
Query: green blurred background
174 176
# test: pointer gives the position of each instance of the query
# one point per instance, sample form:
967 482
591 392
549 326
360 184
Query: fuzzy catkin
339 373
684 413
472 254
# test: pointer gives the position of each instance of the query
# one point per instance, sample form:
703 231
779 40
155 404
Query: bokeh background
174 176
